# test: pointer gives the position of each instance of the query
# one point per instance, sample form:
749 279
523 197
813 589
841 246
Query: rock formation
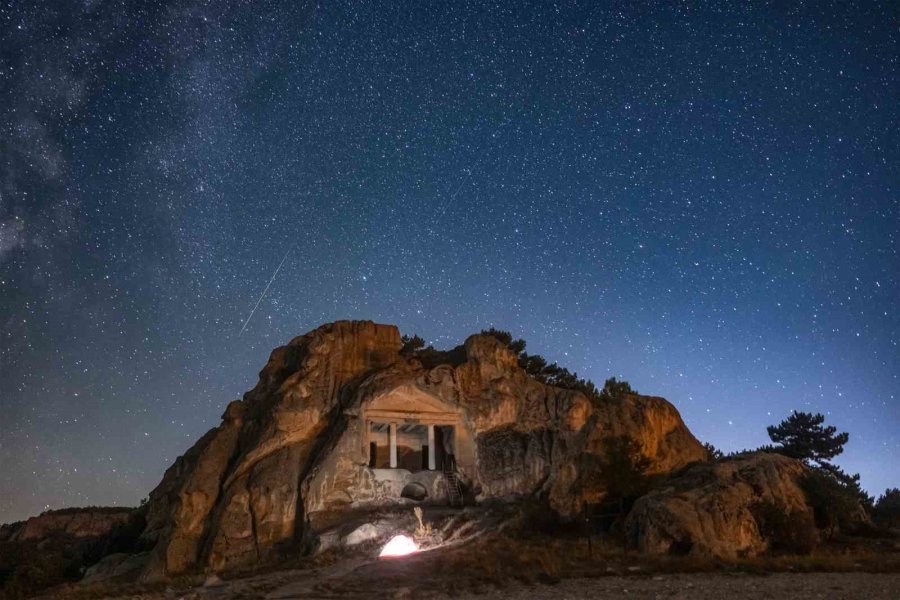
77 522
295 453
708 510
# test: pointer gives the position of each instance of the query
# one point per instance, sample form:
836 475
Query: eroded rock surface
86 522
708 510
293 454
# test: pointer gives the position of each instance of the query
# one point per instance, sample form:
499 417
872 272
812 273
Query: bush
850 483
411 345
713 453
615 390
835 506
786 532
887 509
622 469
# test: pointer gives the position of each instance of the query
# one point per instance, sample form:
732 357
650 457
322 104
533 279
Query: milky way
702 199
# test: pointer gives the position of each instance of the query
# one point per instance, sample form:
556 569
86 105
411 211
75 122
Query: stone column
431 447
393 441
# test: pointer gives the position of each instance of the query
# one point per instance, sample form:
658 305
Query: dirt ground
422 577
481 566
693 586
410 578
363 582
795 586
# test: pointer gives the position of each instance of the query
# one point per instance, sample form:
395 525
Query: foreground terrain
536 567
734 586
694 586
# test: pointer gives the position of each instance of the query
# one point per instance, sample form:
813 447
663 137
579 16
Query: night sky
700 198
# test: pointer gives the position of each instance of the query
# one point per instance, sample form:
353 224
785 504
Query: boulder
708 510
363 533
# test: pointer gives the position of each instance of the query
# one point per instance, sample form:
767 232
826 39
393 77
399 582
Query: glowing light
400 545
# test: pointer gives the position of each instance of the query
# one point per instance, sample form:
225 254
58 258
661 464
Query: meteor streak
263 295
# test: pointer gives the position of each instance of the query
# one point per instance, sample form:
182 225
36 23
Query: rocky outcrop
77 522
709 509
179 508
232 496
293 454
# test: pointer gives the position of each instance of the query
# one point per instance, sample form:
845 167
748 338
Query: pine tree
802 436
834 495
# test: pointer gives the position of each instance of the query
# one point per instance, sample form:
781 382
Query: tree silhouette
613 389
623 467
714 453
835 495
411 344
537 367
803 437
834 506
887 509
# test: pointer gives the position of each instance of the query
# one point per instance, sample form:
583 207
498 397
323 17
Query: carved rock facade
309 443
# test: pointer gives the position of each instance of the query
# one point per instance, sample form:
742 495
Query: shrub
621 471
615 390
411 344
787 532
713 453
850 483
887 509
834 505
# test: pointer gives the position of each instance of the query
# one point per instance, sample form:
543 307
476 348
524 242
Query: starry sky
699 197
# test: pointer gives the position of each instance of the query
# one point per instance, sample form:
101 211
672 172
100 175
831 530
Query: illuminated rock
363 533
341 421
708 509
